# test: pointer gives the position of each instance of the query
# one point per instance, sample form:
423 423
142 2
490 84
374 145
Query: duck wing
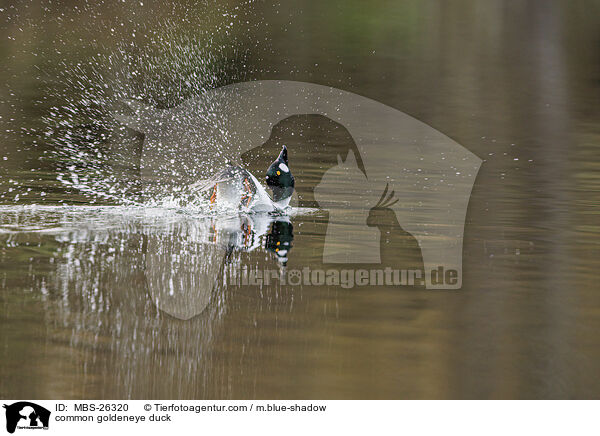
229 174
237 187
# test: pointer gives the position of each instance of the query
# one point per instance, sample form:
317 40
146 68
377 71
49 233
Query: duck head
280 179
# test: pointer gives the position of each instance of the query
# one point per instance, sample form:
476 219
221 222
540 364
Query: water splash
159 65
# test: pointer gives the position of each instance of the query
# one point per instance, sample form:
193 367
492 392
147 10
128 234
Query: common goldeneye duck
236 188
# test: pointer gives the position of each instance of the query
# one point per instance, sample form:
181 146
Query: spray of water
158 66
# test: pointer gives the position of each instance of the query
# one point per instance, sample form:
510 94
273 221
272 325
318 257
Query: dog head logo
26 415
404 183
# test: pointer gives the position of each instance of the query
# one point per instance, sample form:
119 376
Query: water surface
85 309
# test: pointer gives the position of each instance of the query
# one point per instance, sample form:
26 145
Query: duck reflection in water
187 263
279 240
274 233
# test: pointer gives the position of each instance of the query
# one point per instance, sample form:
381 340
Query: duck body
236 188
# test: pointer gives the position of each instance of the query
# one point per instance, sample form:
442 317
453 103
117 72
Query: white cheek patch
284 168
